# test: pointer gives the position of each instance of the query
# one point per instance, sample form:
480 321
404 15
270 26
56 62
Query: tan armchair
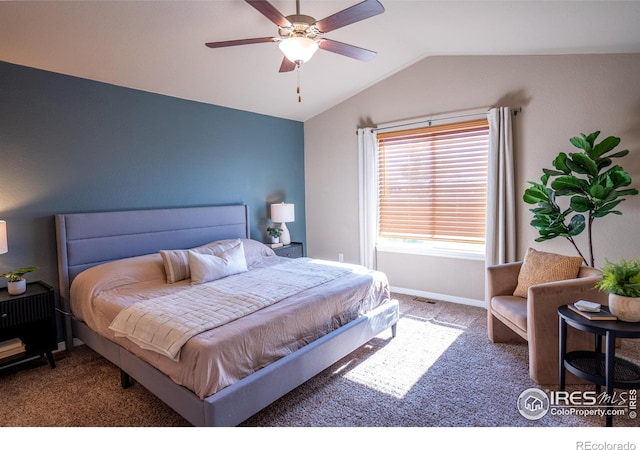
534 319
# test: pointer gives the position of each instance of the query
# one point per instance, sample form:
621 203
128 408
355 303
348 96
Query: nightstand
28 324
293 250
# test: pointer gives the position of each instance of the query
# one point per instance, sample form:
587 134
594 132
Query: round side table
602 369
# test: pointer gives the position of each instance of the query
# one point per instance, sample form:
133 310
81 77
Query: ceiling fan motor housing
302 26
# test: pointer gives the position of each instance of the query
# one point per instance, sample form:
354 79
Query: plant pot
624 308
275 240
17 287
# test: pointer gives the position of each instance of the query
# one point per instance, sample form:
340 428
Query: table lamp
283 213
3 237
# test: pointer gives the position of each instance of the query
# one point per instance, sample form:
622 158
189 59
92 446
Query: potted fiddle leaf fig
621 280
594 186
16 283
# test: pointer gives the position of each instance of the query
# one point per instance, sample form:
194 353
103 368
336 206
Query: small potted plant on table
621 280
274 233
16 283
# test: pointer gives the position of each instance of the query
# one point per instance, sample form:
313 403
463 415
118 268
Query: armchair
534 319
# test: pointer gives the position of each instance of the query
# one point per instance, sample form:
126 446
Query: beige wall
561 96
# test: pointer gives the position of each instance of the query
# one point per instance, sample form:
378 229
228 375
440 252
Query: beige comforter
164 324
218 357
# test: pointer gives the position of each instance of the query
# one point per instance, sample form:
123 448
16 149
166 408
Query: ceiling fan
299 36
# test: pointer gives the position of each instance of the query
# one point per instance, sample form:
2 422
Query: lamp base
285 237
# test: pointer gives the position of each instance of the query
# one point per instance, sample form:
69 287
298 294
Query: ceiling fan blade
270 12
239 42
351 51
355 13
287 66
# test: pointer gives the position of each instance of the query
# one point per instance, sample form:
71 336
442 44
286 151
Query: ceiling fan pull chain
298 88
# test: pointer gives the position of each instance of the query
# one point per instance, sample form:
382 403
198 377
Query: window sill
439 251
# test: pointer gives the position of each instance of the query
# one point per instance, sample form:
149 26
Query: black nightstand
29 317
293 250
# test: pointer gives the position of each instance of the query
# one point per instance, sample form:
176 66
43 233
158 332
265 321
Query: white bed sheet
219 357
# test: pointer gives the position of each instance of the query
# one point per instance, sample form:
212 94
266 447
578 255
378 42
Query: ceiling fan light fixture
298 49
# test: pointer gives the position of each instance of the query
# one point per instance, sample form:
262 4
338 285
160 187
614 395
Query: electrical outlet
340 257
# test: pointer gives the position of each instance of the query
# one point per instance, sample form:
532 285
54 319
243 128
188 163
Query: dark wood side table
29 317
601 369
293 250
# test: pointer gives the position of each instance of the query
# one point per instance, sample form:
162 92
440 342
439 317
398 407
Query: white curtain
368 170
501 222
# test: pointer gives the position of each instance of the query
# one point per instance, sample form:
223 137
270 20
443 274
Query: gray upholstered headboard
88 239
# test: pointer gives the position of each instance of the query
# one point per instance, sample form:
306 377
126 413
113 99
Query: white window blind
433 183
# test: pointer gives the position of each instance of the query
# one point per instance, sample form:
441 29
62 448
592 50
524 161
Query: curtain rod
515 112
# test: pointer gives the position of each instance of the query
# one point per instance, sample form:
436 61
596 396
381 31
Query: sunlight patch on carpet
397 367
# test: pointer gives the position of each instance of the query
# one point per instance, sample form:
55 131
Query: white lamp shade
298 49
283 212
4 248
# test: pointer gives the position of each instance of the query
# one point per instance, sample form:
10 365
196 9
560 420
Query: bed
112 265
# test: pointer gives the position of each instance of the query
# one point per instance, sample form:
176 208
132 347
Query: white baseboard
76 342
441 297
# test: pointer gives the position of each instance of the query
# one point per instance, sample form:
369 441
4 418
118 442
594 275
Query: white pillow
204 267
176 262
254 251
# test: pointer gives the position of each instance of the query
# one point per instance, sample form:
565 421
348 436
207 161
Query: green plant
621 278
274 232
17 274
594 185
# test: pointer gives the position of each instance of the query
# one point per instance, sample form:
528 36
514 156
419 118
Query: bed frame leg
394 328
125 379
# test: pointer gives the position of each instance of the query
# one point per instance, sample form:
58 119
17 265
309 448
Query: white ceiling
158 46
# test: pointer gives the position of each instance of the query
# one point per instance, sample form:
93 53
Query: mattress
218 357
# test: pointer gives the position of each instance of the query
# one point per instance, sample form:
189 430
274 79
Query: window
432 185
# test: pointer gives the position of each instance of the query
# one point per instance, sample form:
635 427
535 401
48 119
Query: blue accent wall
72 145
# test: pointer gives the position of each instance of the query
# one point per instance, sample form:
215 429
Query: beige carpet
440 371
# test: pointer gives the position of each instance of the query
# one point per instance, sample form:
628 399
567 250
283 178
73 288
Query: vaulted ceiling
158 46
